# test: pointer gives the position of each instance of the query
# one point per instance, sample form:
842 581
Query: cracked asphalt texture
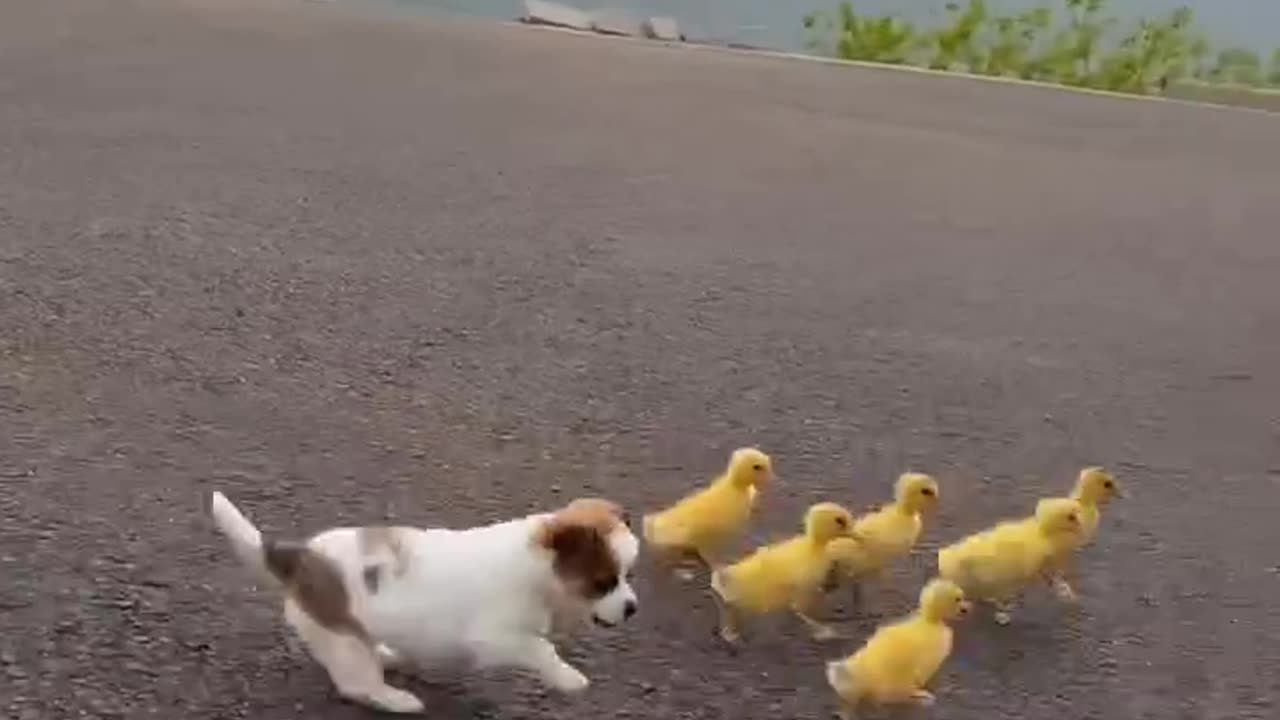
351 268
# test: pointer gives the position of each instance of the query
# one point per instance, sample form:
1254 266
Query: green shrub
1079 44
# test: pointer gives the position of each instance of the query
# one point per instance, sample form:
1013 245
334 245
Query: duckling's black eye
842 522
757 467
927 492
1108 484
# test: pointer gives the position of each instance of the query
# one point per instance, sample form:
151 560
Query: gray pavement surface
350 268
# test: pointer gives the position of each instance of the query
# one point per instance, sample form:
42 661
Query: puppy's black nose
629 609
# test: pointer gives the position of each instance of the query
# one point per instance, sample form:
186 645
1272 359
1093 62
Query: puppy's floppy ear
568 540
581 555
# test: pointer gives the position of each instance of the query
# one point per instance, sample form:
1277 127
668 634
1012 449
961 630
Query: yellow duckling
995 565
1095 487
704 525
888 533
897 663
787 574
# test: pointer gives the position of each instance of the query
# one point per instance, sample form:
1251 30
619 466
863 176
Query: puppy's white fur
487 595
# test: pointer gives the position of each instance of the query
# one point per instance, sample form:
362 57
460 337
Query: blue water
777 23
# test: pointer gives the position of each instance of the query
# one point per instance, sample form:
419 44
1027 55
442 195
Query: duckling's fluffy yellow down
996 564
708 522
901 658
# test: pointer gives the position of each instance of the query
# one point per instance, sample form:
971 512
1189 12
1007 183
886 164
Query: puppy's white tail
246 540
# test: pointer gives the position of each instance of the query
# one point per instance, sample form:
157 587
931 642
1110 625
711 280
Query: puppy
364 598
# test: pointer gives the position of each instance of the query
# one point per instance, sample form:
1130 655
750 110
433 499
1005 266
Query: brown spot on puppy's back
315 584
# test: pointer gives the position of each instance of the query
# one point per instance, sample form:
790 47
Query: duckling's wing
897 648
1015 553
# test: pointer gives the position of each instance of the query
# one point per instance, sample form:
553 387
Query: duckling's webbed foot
680 563
923 697
703 560
831 581
730 622
824 633
821 631
730 635
1003 613
1063 590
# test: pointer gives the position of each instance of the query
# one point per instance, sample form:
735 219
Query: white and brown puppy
364 598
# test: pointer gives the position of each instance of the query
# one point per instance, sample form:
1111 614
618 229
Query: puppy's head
592 552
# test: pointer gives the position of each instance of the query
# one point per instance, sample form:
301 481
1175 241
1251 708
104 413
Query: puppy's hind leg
353 665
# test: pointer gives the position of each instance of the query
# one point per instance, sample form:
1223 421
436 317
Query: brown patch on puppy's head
578 537
604 515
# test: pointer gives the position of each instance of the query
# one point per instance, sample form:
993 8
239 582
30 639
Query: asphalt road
353 269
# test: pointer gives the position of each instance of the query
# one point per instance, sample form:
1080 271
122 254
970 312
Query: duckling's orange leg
674 561
704 557
923 697
665 559
804 608
857 593
730 621
831 581
1003 611
1057 575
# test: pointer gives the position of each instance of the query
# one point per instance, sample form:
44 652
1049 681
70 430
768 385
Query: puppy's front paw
390 658
569 680
395 700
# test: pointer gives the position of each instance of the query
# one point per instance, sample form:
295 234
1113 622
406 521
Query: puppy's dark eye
604 586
